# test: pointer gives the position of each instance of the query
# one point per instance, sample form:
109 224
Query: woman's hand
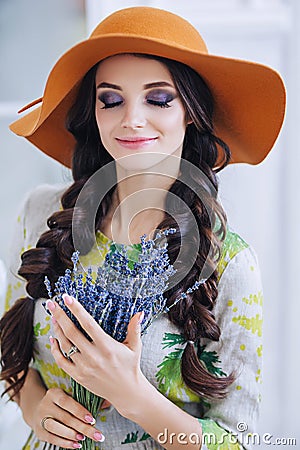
107 368
65 422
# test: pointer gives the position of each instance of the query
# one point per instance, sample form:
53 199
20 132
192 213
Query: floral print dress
226 424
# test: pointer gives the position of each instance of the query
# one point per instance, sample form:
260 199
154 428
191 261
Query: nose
133 116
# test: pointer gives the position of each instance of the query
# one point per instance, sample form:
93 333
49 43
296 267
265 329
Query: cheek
174 124
173 117
104 124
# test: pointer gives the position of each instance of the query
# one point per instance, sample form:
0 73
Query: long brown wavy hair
52 255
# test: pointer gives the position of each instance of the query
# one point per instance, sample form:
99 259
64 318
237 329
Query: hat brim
249 97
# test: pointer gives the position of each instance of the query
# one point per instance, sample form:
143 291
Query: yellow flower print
98 252
254 298
9 294
38 331
8 297
258 377
23 249
253 324
50 372
259 350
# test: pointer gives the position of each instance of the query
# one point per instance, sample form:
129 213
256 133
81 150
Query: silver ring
43 422
71 352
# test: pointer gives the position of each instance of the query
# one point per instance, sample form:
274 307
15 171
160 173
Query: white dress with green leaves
238 312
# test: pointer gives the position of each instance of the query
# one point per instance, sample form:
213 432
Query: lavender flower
122 289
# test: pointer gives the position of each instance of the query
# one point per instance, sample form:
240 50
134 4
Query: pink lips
135 141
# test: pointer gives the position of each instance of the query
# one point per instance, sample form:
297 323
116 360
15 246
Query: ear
188 119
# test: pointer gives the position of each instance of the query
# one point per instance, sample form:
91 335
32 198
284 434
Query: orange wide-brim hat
249 97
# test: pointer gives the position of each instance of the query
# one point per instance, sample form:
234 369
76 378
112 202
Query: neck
139 200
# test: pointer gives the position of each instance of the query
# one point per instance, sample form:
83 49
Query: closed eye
160 98
110 100
155 98
156 103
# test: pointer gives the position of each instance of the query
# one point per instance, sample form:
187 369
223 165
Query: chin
140 161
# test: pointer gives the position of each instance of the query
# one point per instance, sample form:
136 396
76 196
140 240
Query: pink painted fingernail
67 299
51 339
141 317
80 437
76 445
50 305
99 436
90 419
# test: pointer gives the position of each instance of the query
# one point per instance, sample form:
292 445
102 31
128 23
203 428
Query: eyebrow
104 84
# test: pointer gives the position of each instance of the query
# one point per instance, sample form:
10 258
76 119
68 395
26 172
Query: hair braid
53 251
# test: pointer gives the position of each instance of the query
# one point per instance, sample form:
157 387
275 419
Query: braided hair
52 254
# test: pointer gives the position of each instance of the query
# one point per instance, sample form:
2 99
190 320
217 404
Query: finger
60 442
62 362
70 419
66 403
64 343
61 430
69 427
70 330
75 430
86 321
133 337
52 438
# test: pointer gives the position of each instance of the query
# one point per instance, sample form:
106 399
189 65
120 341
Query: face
138 111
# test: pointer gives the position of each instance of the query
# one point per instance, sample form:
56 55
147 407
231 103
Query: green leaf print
38 331
231 246
130 438
133 253
134 437
209 359
145 436
172 339
216 438
169 377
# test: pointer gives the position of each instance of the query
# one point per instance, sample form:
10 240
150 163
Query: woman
142 104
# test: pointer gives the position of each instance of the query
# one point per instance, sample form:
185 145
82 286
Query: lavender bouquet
122 289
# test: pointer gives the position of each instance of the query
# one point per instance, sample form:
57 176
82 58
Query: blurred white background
262 202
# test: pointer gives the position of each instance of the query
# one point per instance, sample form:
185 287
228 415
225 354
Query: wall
33 34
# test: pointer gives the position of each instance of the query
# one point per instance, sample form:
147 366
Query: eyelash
109 105
151 102
161 104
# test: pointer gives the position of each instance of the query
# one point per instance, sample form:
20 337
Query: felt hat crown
249 97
